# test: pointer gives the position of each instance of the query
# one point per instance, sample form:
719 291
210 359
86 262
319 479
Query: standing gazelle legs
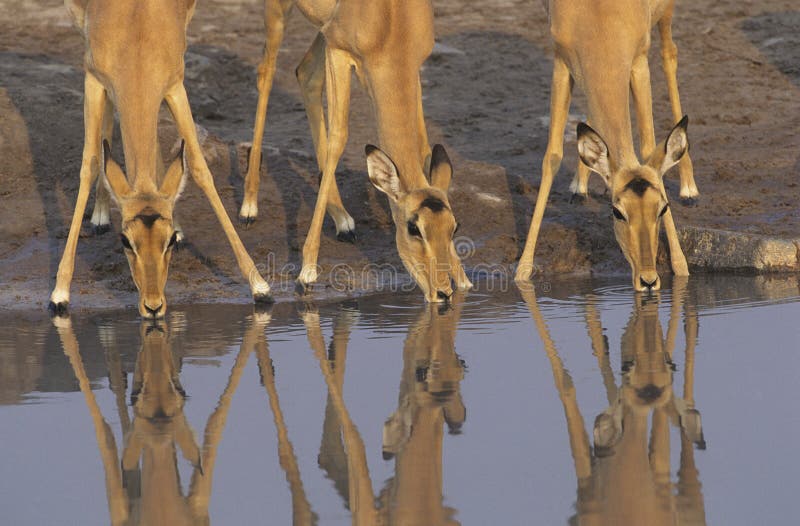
311 78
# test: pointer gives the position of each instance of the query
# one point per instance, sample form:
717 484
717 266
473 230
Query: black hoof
302 289
689 202
263 299
60 310
247 221
577 199
99 230
348 236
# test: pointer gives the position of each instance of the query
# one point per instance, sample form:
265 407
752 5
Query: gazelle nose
154 312
648 282
443 295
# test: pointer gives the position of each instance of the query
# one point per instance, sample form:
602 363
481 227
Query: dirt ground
486 96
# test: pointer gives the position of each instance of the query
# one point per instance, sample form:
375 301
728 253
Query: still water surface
585 403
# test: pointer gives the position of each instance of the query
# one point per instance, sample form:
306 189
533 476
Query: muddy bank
486 92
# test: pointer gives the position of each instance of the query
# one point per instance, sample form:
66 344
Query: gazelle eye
173 239
663 210
617 214
125 243
413 230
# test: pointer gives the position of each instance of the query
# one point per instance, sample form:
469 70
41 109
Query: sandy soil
486 90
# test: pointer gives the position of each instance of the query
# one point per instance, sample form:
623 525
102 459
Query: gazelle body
602 45
385 42
134 62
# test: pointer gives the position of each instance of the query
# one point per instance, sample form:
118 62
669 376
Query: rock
725 250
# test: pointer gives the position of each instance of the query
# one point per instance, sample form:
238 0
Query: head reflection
625 478
143 485
429 399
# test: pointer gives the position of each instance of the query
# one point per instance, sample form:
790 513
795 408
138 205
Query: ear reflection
625 477
429 398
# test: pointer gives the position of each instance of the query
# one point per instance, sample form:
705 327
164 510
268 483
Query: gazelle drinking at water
602 46
625 479
385 42
133 62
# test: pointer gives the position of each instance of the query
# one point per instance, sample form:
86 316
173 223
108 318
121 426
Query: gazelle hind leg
580 184
94 104
338 65
178 103
101 215
275 12
311 77
669 57
559 107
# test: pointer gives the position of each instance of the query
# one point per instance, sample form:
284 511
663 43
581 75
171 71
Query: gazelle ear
441 168
175 179
383 173
594 151
668 153
115 179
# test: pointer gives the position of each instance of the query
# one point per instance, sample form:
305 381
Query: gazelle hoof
689 202
246 221
60 309
577 198
99 230
302 289
347 236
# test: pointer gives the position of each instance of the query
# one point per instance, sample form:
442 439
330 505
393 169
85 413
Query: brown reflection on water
143 485
625 478
429 398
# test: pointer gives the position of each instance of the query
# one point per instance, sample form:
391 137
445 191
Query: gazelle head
148 232
424 221
638 198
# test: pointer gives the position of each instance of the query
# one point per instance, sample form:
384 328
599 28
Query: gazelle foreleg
669 58
311 77
338 66
643 99
101 215
559 107
93 110
275 12
179 106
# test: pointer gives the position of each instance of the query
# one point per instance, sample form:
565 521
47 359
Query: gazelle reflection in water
150 493
430 397
625 479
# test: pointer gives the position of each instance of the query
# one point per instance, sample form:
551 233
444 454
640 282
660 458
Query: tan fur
133 62
602 46
625 478
385 42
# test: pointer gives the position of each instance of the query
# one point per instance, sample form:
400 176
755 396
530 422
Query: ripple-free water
585 402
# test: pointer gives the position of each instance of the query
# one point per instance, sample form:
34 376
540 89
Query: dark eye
173 239
413 230
663 210
125 243
617 214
